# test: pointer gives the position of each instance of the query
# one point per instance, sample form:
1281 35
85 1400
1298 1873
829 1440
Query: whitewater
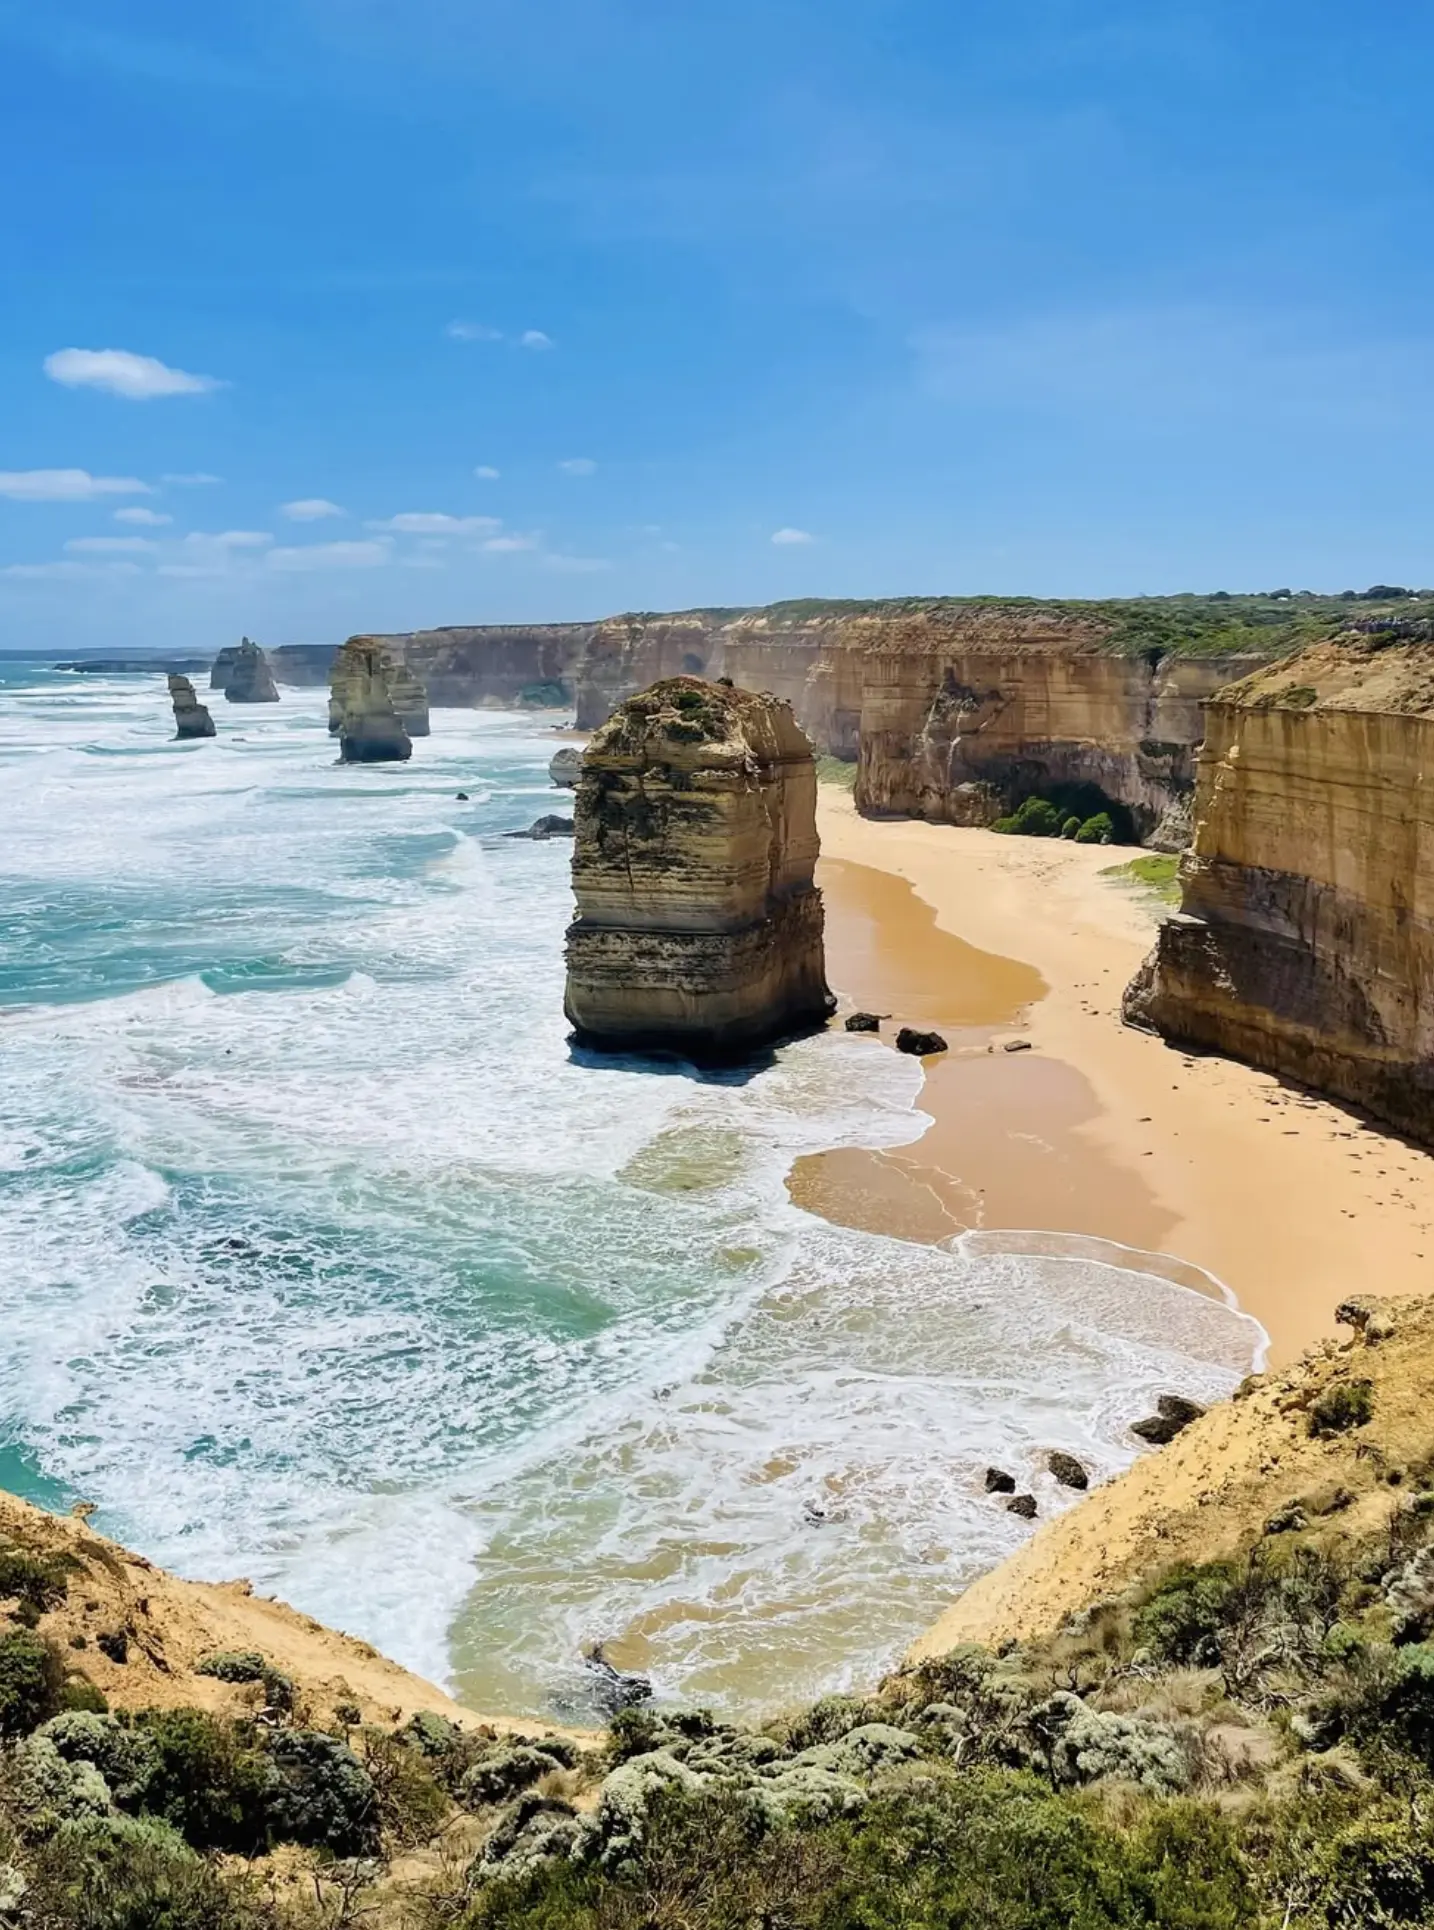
324 1261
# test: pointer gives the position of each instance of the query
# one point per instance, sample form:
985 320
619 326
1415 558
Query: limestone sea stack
409 699
250 679
698 928
406 693
1305 939
361 707
191 718
222 666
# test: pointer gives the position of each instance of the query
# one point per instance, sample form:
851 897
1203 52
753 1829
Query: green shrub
1097 830
32 1681
1182 1620
82 1695
211 1780
320 1794
1071 827
37 1582
115 1873
1348 1403
411 1802
248 1665
1035 817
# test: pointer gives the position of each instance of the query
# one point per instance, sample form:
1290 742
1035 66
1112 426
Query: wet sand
1291 1201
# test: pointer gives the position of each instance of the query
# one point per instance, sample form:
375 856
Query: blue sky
739 301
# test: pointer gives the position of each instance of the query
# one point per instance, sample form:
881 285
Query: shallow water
324 1261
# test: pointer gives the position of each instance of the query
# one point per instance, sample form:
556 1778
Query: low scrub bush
1347 1404
32 1681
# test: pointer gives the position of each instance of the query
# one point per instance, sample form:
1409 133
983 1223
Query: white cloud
578 466
230 539
111 545
432 522
147 518
331 556
787 536
194 479
535 338
485 473
504 545
65 485
576 565
311 509
44 572
472 332
138 378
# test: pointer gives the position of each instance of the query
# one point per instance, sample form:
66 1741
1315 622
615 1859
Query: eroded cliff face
191 718
1305 940
698 927
494 664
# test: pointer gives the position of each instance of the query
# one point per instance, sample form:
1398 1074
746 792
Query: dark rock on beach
864 1022
615 1688
1172 1413
1067 1470
1023 1505
999 1482
919 1044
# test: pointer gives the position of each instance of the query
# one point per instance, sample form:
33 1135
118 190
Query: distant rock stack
361 707
406 693
191 719
223 667
250 679
698 929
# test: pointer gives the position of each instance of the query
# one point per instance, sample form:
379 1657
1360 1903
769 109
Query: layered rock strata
191 718
1305 938
249 679
698 927
361 709
357 663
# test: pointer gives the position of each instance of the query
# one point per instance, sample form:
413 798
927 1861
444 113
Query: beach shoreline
1290 1201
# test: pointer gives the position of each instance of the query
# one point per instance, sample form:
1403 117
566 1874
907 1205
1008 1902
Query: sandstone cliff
1305 939
362 711
698 927
248 679
191 718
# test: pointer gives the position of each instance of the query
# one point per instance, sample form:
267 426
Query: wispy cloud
111 545
472 332
138 378
505 545
230 539
65 485
194 479
784 537
578 466
486 473
311 509
535 338
331 556
433 522
145 518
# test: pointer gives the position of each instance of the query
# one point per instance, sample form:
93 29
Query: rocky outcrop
698 928
191 718
249 679
409 699
222 666
357 663
361 708
565 767
1305 938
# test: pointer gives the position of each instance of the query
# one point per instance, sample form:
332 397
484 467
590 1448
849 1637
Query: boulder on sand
919 1044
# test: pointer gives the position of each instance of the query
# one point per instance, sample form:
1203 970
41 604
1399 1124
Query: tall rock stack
698 928
223 667
250 679
406 694
1305 940
361 707
191 718
409 699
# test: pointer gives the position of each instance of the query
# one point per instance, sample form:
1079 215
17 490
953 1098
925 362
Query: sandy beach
1097 1129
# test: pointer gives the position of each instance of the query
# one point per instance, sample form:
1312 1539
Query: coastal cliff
698 928
1305 938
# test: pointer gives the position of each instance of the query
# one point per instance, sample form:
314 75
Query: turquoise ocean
324 1262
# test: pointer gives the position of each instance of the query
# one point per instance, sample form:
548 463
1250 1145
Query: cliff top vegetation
1222 623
